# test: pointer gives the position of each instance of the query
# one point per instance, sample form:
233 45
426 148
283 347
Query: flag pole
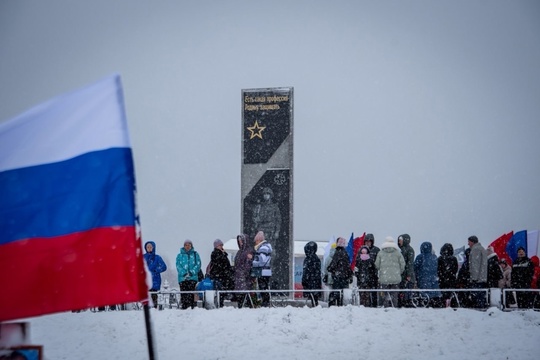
146 303
149 336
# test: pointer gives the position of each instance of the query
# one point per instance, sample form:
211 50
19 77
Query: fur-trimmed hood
389 243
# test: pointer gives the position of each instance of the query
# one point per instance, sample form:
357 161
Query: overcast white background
409 116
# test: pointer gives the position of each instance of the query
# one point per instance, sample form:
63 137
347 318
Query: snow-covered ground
348 332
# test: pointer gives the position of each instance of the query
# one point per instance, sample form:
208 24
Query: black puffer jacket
221 269
311 276
447 267
340 269
494 271
522 273
366 273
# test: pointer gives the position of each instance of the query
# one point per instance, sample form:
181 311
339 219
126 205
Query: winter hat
341 242
188 242
369 237
489 250
259 236
217 243
389 243
473 239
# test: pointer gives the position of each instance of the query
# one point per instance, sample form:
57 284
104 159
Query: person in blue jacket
156 265
188 264
425 268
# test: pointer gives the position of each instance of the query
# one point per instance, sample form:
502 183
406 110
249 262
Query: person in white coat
390 265
261 267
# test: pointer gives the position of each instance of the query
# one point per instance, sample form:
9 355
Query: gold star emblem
256 130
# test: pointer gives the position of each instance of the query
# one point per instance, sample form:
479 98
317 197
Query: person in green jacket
408 278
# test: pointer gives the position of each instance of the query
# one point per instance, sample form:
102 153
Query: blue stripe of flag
89 191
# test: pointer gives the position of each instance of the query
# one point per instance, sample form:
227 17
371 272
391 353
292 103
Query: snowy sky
417 117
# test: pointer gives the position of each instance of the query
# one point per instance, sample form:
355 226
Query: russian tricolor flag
67 206
507 245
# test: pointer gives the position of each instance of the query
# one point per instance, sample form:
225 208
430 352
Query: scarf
258 246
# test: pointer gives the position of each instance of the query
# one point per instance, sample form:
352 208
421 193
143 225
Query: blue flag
350 247
518 240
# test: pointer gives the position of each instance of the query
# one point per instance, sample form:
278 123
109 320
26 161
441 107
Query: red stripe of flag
94 268
499 246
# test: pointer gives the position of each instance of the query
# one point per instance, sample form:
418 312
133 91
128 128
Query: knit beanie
217 243
259 236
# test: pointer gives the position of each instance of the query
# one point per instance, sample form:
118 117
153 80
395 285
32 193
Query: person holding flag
353 247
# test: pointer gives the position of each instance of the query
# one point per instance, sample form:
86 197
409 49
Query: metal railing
530 301
456 298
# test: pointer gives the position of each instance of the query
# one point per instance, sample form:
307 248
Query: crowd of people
251 270
392 267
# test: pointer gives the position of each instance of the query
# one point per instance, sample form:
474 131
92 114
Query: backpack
209 269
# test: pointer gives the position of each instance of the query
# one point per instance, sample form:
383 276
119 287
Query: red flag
357 244
499 247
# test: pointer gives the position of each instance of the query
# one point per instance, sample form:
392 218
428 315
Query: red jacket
536 275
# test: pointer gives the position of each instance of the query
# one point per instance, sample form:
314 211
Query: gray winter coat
478 264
